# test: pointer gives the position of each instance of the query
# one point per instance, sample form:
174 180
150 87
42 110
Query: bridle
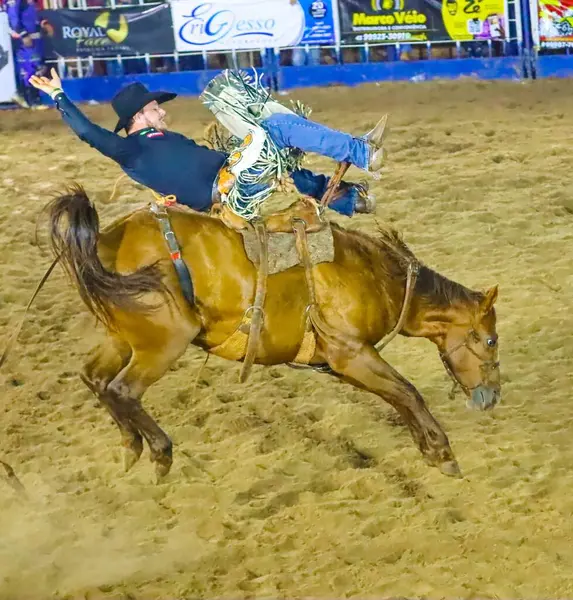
486 366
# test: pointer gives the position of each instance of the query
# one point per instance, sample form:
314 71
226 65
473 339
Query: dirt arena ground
294 485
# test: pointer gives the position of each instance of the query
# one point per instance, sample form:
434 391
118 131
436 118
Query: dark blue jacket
164 161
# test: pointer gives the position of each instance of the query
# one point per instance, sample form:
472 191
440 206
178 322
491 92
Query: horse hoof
130 457
161 471
451 469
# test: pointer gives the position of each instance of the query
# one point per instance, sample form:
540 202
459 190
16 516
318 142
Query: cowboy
172 164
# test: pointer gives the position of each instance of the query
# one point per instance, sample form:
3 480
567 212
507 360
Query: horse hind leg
360 365
104 364
151 358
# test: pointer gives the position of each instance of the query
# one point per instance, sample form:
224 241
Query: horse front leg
361 366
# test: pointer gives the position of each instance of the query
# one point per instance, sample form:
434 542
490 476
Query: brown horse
125 277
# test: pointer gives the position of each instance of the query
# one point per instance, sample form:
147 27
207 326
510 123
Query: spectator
328 56
406 52
302 56
27 44
191 62
270 59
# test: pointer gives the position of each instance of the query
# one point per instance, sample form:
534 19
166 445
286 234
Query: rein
412 276
332 185
16 332
13 480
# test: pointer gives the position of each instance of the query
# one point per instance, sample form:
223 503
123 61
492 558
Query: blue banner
319 23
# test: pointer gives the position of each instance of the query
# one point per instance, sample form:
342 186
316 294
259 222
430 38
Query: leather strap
412 276
333 184
257 307
13 480
181 269
299 228
16 332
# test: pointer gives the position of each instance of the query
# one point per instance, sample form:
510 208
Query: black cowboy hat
132 98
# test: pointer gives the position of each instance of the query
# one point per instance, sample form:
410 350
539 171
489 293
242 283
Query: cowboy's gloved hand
286 185
48 86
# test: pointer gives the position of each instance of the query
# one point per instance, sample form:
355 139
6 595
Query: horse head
469 350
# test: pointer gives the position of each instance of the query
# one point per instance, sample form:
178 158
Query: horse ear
489 300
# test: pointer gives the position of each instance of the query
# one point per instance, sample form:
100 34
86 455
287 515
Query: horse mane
430 285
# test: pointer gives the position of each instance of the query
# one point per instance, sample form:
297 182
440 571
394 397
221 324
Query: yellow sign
115 35
474 19
404 21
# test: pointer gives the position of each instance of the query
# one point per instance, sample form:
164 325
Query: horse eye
491 342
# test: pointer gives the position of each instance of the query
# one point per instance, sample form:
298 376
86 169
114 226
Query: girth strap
257 308
299 228
243 343
181 269
308 345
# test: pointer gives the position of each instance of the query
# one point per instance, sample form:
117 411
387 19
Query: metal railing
305 55
335 54
94 5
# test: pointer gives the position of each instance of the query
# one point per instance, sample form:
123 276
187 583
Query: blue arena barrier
192 83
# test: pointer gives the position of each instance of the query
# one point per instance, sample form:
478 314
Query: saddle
304 210
295 235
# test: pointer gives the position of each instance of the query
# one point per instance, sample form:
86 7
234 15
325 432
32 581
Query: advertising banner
251 24
7 74
554 23
393 21
107 32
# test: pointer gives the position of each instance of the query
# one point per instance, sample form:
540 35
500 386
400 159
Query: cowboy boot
375 139
366 201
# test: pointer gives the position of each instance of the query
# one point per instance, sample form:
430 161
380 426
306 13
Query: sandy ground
294 485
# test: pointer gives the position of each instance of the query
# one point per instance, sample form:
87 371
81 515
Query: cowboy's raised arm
109 144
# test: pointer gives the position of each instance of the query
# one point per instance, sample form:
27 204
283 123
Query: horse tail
74 234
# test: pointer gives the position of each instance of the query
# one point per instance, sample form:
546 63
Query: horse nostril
484 398
494 399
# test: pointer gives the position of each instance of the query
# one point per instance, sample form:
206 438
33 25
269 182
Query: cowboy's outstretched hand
45 84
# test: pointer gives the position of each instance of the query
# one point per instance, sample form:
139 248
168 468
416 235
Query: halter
486 366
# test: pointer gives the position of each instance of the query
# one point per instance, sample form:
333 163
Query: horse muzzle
484 397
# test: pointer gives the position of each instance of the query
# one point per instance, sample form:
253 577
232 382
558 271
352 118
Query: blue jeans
292 131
